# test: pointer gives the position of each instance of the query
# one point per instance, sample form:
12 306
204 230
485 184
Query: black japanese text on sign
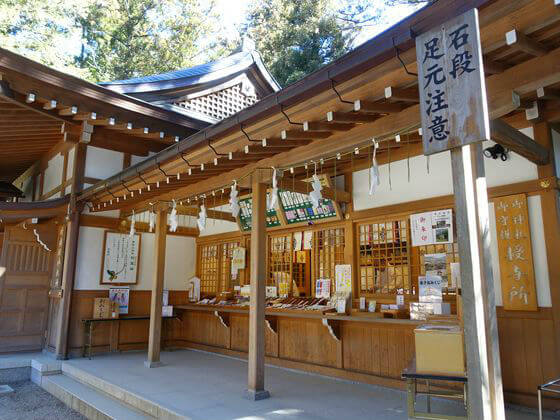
451 83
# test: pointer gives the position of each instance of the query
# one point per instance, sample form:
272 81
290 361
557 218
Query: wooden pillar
154 339
255 389
464 179
550 217
63 314
70 253
488 290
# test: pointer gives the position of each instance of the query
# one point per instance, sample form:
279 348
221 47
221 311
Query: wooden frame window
384 257
328 251
208 268
280 261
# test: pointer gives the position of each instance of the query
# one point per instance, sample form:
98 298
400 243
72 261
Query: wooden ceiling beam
521 42
549 94
326 126
211 214
377 107
276 142
303 187
518 142
493 67
350 117
409 94
304 135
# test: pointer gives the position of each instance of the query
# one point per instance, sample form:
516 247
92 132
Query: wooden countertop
375 317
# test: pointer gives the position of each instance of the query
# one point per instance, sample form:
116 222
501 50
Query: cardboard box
104 308
439 349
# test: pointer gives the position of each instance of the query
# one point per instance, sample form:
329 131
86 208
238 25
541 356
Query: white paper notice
421 229
343 273
308 239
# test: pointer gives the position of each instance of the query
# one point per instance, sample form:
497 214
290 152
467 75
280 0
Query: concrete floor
207 386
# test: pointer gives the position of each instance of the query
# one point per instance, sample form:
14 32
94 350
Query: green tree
296 37
130 38
41 30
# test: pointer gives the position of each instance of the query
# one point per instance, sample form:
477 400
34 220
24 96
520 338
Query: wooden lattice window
328 246
221 104
418 261
226 254
280 262
208 269
384 257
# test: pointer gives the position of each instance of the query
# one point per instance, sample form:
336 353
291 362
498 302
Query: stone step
149 408
89 402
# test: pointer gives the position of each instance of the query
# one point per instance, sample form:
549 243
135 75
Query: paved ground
31 402
207 386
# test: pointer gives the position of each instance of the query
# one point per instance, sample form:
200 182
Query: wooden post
463 170
551 221
63 315
62 323
488 291
154 339
255 389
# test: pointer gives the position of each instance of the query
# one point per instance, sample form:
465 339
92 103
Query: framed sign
519 291
453 102
121 254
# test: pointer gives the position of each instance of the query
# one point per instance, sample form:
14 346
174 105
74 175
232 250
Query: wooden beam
548 93
377 107
211 214
521 42
297 134
493 67
350 117
518 142
275 142
402 94
326 126
154 336
255 388
303 187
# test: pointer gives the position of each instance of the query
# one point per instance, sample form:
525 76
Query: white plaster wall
53 173
395 187
102 163
137 159
27 189
70 163
180 257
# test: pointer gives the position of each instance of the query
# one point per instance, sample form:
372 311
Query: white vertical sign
451 82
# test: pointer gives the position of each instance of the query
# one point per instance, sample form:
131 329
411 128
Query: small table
552 386
90 322
412 377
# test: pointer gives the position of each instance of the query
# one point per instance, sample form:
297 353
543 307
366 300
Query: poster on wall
343 278
237 260
121 295
433 227
429 289
436 265
121 254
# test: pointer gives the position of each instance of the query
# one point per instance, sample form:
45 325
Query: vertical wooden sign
453 102
516 256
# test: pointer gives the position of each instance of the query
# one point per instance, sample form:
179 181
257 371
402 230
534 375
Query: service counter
361 346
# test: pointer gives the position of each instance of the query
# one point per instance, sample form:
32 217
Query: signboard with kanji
516 255
453 102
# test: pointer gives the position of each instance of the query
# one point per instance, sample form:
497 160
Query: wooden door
24 287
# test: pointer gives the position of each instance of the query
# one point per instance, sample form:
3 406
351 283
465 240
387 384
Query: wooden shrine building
163 153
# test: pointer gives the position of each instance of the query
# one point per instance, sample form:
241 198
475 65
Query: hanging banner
453 102
516 255
121 253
